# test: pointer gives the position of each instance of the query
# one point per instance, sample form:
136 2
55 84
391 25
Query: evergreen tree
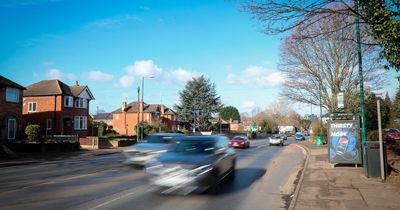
396 106
386 111
229 112
201 97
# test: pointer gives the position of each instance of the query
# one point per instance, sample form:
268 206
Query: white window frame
69 100
49 124
81 103
8 128
30 108
9 91
80 122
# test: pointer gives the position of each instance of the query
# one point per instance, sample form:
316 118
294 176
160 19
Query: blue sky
110 45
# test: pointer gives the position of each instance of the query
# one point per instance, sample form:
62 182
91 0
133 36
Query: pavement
31 158
323 186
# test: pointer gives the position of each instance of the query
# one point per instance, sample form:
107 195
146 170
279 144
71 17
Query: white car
153 145
276 139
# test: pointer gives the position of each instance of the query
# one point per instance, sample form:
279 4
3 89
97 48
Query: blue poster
344 142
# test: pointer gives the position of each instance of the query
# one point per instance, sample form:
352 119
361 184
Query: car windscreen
276 136
195 146
299 135
159 139
393 131
238 138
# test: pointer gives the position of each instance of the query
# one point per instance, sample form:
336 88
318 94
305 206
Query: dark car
239 142
197 164
152 146
299 136
392 135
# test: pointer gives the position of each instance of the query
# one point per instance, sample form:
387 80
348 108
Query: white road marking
112 200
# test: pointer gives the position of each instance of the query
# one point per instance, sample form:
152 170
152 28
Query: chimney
162 109
123 108
76 83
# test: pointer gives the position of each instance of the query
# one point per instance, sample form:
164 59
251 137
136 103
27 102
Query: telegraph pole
137 124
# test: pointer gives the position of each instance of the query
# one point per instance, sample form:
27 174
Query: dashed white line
112 200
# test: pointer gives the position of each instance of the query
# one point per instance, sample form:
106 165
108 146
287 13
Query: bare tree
325 64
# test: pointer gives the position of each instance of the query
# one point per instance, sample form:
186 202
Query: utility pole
361 83
380 139
194 121
320 109
137 124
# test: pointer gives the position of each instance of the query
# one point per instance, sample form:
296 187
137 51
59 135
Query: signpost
344 142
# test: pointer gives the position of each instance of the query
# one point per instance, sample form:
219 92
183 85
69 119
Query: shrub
32 132
373 135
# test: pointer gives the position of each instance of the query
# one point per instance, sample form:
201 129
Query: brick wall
10 110
131 123
52 107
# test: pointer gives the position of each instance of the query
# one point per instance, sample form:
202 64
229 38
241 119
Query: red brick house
125 119
59 109
10 109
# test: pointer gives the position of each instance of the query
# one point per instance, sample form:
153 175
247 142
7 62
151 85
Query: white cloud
115 21
272 79
54 74
180 76
144 68
235 79
98 76
257 75
58 74
126 81
249 104
253 71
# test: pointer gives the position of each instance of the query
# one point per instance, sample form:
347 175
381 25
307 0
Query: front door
67 126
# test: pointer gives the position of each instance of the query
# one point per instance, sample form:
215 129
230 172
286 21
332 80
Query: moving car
276 139
197 164
153 145
299 136
239 142
391 135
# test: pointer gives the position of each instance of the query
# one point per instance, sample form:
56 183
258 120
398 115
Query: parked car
306 133
239 142
299 136
152 146
197 164
392 135
276 139
284 136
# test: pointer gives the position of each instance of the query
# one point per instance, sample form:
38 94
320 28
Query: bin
319 140
373 159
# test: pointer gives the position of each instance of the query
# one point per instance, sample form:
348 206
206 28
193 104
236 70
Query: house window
80 123
12 128
12 95
32 107
68 101
49 124
81 103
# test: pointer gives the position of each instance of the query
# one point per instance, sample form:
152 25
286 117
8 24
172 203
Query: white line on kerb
110 201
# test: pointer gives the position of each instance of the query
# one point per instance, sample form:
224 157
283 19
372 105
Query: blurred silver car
276 139
152 146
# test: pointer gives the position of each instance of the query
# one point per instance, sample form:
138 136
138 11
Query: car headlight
201 170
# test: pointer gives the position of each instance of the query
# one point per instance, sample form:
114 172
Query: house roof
103 116
6 82
148 108
53 87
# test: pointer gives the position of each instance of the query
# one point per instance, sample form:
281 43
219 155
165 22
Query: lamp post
361 83
142 128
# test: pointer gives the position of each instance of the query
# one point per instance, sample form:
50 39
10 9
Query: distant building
125 119
11 93
105 117
57 107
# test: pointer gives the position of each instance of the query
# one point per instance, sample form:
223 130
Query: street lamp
142 129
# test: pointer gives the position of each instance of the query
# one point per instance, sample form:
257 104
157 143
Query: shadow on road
244 178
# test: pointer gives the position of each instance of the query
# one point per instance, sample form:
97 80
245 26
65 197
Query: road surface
264 180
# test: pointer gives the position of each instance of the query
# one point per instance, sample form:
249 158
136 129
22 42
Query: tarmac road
264 180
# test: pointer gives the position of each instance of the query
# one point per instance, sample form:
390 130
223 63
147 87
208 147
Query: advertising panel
344 142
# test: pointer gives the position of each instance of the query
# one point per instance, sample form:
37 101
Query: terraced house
10 109
59 109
